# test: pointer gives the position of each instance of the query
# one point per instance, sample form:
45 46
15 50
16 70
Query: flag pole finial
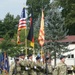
24 5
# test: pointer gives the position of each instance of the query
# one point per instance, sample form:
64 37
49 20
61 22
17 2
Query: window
72 55
68 55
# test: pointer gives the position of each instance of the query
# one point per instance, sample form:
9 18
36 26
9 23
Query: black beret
47 58
29 55
62 56
22 54
38 57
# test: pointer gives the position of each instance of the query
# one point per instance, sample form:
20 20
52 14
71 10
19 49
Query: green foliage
37 5
54 32
68 12
9 25
8 29
1 29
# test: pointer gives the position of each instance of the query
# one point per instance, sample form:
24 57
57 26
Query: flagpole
25 42
33 51
41 51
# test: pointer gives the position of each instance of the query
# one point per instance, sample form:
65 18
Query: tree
1 29
37 5
9 25
68 12
55 32
8 30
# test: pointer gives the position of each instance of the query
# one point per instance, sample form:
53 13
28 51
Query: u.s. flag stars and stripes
21 25
22 21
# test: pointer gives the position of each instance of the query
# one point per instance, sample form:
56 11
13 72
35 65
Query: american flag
22 21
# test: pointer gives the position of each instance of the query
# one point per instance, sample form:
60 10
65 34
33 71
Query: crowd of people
23 66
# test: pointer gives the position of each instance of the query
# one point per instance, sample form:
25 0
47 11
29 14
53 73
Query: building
70 60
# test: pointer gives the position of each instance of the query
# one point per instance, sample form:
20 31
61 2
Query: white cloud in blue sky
14 7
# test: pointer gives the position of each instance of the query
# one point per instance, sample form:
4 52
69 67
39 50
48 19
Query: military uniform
15 69
48 66
31 66
39 67
12 66
48 69
24 64
61 68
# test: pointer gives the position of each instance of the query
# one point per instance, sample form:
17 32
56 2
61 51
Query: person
39 66
31 65
15 68
23 63
48 66
61 68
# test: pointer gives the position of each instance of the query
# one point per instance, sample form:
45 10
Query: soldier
48 66
31 65
39 66
61 68
15 68
24 64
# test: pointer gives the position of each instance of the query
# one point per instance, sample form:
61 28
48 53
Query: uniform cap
22 54
29 55
62 56
47 57
38 57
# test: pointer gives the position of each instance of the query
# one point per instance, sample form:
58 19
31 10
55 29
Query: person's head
62 58
22 56
16 58
30 56
38 58
47 59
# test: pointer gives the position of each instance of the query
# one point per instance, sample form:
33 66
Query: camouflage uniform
61 68
15 69
23 63
39 67
48 66
31 66
24 69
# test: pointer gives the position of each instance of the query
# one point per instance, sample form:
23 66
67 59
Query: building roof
69 39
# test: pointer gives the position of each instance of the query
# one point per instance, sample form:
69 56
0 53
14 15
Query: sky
14 7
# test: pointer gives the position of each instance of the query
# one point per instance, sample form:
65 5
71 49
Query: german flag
30 36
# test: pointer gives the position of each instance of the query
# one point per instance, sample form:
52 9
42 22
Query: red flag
41 37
